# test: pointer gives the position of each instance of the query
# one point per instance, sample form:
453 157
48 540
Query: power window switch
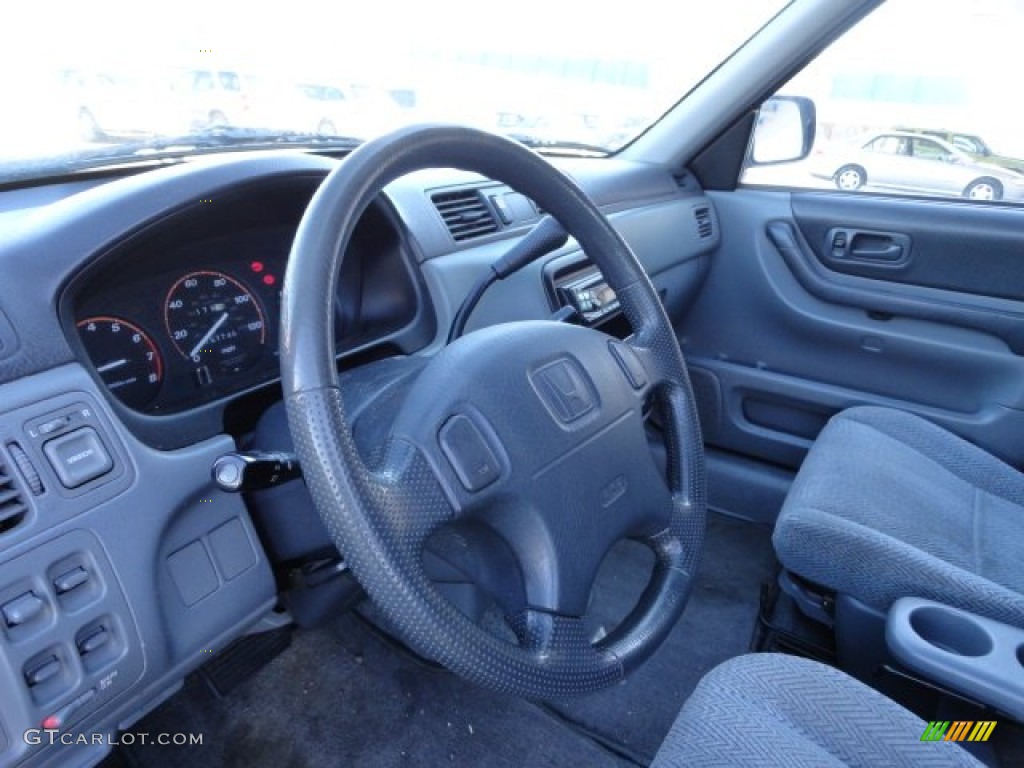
22 609
74 578
96 639
42 671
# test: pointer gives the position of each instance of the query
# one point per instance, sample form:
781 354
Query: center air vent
705 224
12 505
465 213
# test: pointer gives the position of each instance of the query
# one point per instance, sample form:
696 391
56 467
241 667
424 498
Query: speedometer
215 322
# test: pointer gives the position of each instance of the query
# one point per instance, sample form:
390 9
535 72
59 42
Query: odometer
215 322
126 358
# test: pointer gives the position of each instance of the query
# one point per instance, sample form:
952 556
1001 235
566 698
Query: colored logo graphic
958 730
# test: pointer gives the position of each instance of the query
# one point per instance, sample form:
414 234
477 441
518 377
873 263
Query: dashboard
138 344
186 312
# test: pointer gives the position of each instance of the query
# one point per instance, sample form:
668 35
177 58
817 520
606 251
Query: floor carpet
342 695
718 624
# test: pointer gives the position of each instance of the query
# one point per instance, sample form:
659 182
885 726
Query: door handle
879 248
891 252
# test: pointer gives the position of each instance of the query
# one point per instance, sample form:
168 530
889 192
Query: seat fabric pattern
889 505
774 710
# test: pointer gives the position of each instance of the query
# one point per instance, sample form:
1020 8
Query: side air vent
12 505
465 213
705 224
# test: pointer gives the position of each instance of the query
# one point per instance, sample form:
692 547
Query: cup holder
974 656
953 632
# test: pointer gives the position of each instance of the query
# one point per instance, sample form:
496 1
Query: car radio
591 296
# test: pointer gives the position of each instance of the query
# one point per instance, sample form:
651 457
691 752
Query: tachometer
125 358
216 322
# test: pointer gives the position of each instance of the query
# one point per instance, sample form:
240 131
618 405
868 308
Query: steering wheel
533 430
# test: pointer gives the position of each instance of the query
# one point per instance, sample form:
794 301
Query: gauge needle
111 365
209 335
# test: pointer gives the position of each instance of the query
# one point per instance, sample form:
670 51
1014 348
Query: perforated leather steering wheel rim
380 516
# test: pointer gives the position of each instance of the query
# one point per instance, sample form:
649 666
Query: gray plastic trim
614 185
998 317
769 341
971 654
663 236
161 502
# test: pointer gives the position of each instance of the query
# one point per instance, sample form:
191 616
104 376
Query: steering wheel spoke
406 480
645 347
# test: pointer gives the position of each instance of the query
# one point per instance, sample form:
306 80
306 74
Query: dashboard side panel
128 535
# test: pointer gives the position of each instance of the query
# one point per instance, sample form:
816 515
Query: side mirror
784 131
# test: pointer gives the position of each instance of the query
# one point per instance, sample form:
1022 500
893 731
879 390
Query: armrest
967 653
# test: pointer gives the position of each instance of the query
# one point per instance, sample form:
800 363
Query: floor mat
340 696
718 624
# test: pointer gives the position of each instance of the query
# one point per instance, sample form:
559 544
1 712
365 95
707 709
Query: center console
966 653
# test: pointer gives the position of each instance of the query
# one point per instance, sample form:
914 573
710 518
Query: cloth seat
773 710
889 505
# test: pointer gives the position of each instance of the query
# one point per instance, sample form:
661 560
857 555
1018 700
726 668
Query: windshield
109 81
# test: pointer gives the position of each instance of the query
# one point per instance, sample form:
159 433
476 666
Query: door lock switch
840 241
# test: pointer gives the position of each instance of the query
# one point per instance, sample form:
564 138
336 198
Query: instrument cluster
184 313
177 337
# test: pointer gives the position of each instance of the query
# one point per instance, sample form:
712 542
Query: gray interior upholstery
889 505
776 710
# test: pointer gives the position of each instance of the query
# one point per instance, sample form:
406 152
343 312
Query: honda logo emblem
565 389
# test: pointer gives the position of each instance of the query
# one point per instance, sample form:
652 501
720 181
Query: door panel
781 338
962 247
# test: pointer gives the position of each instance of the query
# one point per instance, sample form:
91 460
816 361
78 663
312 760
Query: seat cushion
889 505
774 710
